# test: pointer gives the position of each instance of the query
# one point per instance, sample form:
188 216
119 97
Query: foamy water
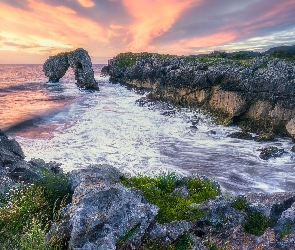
110 127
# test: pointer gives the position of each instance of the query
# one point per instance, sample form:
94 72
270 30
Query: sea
118 126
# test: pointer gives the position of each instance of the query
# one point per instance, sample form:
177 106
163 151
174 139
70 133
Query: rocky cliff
56 66
257 92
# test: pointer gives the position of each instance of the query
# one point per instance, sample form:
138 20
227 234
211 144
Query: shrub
256 223
240 203
28 211
158 190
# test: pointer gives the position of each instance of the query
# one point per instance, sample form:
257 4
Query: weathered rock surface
103 210
10 150
271 152
13 167
241 135
258 93
56 66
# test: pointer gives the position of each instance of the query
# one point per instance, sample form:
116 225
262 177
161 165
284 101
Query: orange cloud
86 3
42 27
152 18
208 41
197 44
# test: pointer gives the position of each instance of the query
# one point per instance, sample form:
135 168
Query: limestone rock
286 223
168 232
10 150
103 210
271 205
228 102
271 152
258 93
56 66
290 127
241 135
80 62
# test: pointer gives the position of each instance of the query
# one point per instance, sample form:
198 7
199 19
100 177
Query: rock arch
56 66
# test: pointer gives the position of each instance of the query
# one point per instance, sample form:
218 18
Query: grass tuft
240 203
256 223
158 190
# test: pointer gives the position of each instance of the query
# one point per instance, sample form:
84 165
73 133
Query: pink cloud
86 3
57 27
152 18
193 45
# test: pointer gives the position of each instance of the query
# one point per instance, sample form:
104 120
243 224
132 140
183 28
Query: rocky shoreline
257 93
106 214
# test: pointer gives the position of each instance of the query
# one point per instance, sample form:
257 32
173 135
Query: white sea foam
109 127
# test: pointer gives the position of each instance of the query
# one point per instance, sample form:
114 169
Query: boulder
104 211
241 135
10 150
271 205
105 70
271 152
168 232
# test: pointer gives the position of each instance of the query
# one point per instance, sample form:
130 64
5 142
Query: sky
32 30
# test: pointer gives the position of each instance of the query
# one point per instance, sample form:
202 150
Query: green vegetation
211 245
129 59
256 223
263 66
160 190
240 203
284 55
28 210
183 242
127 236
287 230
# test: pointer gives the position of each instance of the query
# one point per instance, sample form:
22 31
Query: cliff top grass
175 196
27 211
242 58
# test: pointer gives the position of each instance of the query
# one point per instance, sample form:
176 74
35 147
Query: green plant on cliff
284 55
159 190
184 242
28 210
256 223
240 203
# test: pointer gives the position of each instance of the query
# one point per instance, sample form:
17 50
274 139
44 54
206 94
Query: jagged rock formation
258 93
56 66
13 167
103 210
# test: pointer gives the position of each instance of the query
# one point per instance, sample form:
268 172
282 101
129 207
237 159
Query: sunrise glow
31 30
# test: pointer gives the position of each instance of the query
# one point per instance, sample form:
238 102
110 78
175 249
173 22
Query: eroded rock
259 93
56 66
271 152
103 210
10 150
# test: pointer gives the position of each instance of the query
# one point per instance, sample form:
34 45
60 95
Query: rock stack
56 66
